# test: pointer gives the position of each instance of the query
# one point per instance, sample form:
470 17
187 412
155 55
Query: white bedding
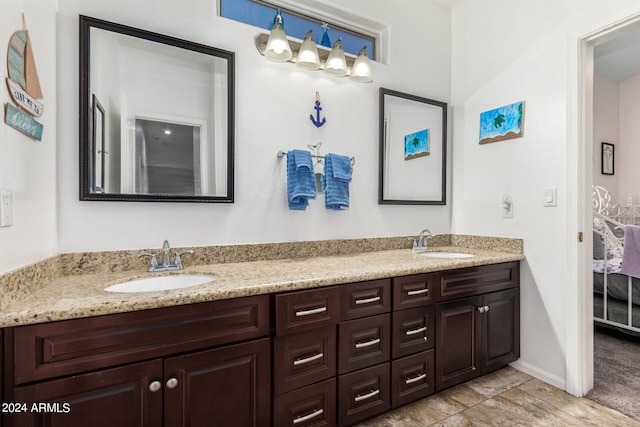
613 265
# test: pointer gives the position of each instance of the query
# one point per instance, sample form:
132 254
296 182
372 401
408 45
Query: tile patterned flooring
506 397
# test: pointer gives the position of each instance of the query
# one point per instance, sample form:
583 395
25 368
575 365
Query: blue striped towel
337 172
301 181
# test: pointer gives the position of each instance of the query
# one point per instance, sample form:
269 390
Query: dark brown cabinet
229 382
414 331
477 334
328 356
305 357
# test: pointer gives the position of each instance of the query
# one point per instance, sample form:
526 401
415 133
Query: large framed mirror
413 150
156 117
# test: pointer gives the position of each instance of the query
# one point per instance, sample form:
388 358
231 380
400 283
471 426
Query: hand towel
337 172
301 181
631 255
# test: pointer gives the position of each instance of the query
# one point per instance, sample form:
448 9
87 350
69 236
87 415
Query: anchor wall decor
317 121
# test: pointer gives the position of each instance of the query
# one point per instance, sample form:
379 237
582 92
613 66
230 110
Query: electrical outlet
507 206
6 208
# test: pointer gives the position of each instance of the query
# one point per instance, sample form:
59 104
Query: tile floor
506 397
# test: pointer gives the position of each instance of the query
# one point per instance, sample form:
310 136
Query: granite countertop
82 295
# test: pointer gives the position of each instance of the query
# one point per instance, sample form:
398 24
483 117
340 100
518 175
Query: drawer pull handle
310 312
416 331
415 379
308 417
418 292
360 398
367 343
367 300
298 362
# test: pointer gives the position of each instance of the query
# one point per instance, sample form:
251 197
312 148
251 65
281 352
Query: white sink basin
446 255
161 283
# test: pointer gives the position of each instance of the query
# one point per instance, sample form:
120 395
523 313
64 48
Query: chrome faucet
166 259
420 244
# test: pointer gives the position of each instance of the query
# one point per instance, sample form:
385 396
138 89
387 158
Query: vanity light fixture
361 70
278 48
336 64
307 55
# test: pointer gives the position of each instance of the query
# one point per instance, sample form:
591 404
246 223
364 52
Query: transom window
296 24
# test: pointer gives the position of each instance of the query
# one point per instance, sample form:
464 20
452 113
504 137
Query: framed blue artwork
502 123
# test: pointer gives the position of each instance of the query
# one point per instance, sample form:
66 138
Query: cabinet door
501 329
458 342
126 396
224 386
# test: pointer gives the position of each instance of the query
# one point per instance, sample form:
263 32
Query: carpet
616 368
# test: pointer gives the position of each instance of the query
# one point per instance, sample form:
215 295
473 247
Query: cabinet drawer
470 281
61 348
364 342
412 378
363 394
305 310
365 299
314 405
413 331
413 291
303 359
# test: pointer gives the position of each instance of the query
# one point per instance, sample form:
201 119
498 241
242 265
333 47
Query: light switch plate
6 208
550 196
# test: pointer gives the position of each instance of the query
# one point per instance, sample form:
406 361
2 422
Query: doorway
607 58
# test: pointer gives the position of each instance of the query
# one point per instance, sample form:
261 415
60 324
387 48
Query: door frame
579 356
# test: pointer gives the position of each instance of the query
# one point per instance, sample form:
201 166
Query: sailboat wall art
502 123
24 86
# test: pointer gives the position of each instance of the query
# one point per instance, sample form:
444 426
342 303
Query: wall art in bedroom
607 155
416 144
502 123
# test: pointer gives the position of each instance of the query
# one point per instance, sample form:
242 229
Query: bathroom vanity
315 353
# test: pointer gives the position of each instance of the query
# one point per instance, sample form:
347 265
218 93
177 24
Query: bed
614 293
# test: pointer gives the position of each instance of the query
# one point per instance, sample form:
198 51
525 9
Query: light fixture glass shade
361 70
278 49
308 57
336 64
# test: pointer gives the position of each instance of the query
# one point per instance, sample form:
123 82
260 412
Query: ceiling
619 58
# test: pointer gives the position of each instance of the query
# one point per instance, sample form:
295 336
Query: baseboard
540 374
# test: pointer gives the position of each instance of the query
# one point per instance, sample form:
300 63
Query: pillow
598 246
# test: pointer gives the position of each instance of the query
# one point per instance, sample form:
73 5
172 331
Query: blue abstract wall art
416 144
502 123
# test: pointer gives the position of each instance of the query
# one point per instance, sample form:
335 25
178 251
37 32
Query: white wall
627 153
273 103
506 51
605 129
28 167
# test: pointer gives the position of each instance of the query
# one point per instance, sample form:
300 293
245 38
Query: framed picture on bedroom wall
607 153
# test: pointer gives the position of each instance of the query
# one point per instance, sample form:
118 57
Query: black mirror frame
85 128
381 169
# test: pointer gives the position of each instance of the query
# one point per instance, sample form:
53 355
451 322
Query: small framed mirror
156 117
413 150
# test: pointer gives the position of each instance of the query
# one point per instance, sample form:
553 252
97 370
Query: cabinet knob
481 309
155 386
172 383
486 308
